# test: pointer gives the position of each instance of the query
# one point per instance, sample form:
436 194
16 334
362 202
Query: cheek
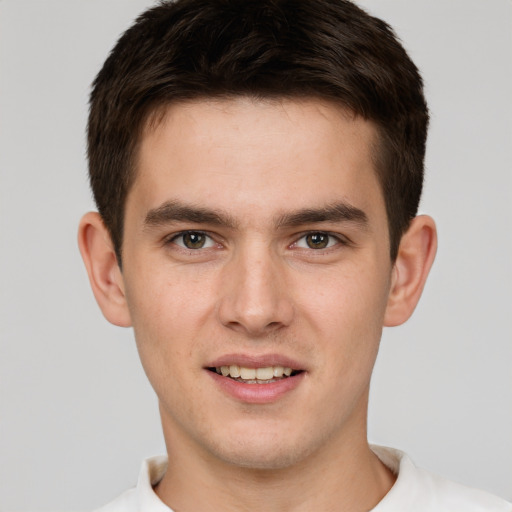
347 310
167 301
167 314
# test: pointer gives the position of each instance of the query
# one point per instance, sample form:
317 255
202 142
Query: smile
264 375
256 379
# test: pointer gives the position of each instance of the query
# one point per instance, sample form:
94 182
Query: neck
345 475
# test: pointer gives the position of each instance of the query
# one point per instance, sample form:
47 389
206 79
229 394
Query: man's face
256 238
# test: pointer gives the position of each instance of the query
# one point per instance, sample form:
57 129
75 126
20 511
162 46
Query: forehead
262 154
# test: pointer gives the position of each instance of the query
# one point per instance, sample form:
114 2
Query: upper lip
256 361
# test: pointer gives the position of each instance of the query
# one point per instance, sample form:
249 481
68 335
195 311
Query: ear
104 273
415 257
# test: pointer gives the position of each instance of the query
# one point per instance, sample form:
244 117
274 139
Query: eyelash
172 239
336 238
332 241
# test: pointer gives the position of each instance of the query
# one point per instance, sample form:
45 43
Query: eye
317 240
193 240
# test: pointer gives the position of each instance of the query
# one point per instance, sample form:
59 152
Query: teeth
247 373
264 373
234 371
253 374
278 371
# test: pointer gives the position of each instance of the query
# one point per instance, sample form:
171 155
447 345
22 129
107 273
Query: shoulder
124 503
142 498
455 497
422 491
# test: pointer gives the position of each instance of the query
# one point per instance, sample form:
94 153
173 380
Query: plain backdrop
77 415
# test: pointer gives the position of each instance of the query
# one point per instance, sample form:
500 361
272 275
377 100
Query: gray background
76 413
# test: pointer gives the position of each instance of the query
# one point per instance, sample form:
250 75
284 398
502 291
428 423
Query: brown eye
193 240
317 240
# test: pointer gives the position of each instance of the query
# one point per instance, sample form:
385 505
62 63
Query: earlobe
415 257
103 270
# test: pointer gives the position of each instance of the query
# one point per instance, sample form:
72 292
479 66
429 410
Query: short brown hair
329 49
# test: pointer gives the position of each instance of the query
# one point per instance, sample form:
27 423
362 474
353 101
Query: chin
263 452
258 460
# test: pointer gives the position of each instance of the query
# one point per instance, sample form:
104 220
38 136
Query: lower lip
257 393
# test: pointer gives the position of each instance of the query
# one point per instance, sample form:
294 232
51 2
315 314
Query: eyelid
339 238
170 239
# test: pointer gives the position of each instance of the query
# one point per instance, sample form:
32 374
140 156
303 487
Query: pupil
317 240
193 240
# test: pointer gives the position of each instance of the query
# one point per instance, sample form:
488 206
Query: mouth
257 379
261 375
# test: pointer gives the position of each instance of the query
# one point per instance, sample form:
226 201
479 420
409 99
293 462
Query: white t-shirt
415 490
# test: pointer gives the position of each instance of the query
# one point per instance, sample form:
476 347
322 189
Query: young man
257 168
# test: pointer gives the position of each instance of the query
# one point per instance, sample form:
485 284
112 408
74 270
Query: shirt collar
403 491
151 472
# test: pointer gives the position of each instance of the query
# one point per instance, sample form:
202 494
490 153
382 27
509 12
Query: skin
257 289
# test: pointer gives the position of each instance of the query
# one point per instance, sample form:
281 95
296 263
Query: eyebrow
174 211
338 212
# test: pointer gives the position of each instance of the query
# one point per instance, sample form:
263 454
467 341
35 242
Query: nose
255 299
